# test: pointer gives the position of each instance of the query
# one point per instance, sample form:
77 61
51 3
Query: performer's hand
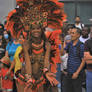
28 77
30 81
51 78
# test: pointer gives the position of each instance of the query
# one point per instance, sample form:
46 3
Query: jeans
89 81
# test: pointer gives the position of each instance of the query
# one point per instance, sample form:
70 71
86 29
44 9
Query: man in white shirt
85 35
78 23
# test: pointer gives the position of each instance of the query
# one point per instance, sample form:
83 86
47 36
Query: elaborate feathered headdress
34 14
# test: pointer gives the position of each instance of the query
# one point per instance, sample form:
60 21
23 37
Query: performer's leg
3 91
20 87
54 89
49 88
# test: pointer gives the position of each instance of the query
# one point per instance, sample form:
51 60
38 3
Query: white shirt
83 40
64 59
80 25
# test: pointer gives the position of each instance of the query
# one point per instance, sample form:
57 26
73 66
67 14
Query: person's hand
30 80
1 59
75 75
8 73
51 78
65 72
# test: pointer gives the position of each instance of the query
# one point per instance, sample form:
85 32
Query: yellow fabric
18 63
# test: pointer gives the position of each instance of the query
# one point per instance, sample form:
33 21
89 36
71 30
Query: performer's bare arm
50 76
27 57
75 75
47 55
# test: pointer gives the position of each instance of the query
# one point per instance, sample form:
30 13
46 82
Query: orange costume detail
7 83
54 37
33 16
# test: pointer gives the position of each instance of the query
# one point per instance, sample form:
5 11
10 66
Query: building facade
5 7
82 8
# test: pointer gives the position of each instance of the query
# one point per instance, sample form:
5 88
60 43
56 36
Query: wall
82 8
5 7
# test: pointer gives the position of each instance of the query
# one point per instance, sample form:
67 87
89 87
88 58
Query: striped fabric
74 59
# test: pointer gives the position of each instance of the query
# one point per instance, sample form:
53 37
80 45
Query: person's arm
6 53
7 48
27 58
66 47
11 76
11 67
75 75
47 56
50 76
87 56
62 49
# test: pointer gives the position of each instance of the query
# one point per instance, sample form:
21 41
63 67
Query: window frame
76 5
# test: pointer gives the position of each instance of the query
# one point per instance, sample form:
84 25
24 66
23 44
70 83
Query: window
82 8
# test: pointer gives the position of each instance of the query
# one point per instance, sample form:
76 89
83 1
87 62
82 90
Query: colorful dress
11 48
7 81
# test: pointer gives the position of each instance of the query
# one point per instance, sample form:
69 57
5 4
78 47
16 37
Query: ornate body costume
31 19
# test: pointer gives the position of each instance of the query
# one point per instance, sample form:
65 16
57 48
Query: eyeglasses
73 32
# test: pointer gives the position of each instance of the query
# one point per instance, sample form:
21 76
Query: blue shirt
11 48
74 58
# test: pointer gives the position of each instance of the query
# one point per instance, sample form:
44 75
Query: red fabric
6 84
55 37
21 82
38 52
38 85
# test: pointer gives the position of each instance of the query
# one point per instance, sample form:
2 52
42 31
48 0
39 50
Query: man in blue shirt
75 50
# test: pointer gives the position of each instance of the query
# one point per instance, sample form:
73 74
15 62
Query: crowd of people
73 72
75 59
8 47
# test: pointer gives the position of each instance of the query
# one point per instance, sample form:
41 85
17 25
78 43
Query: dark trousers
49 88
14 86
71 85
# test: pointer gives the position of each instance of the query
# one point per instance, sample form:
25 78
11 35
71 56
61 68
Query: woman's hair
10 37
2 26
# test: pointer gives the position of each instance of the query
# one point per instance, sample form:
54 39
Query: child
7 80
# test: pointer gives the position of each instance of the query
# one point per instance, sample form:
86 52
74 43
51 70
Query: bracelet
45 70
28 75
